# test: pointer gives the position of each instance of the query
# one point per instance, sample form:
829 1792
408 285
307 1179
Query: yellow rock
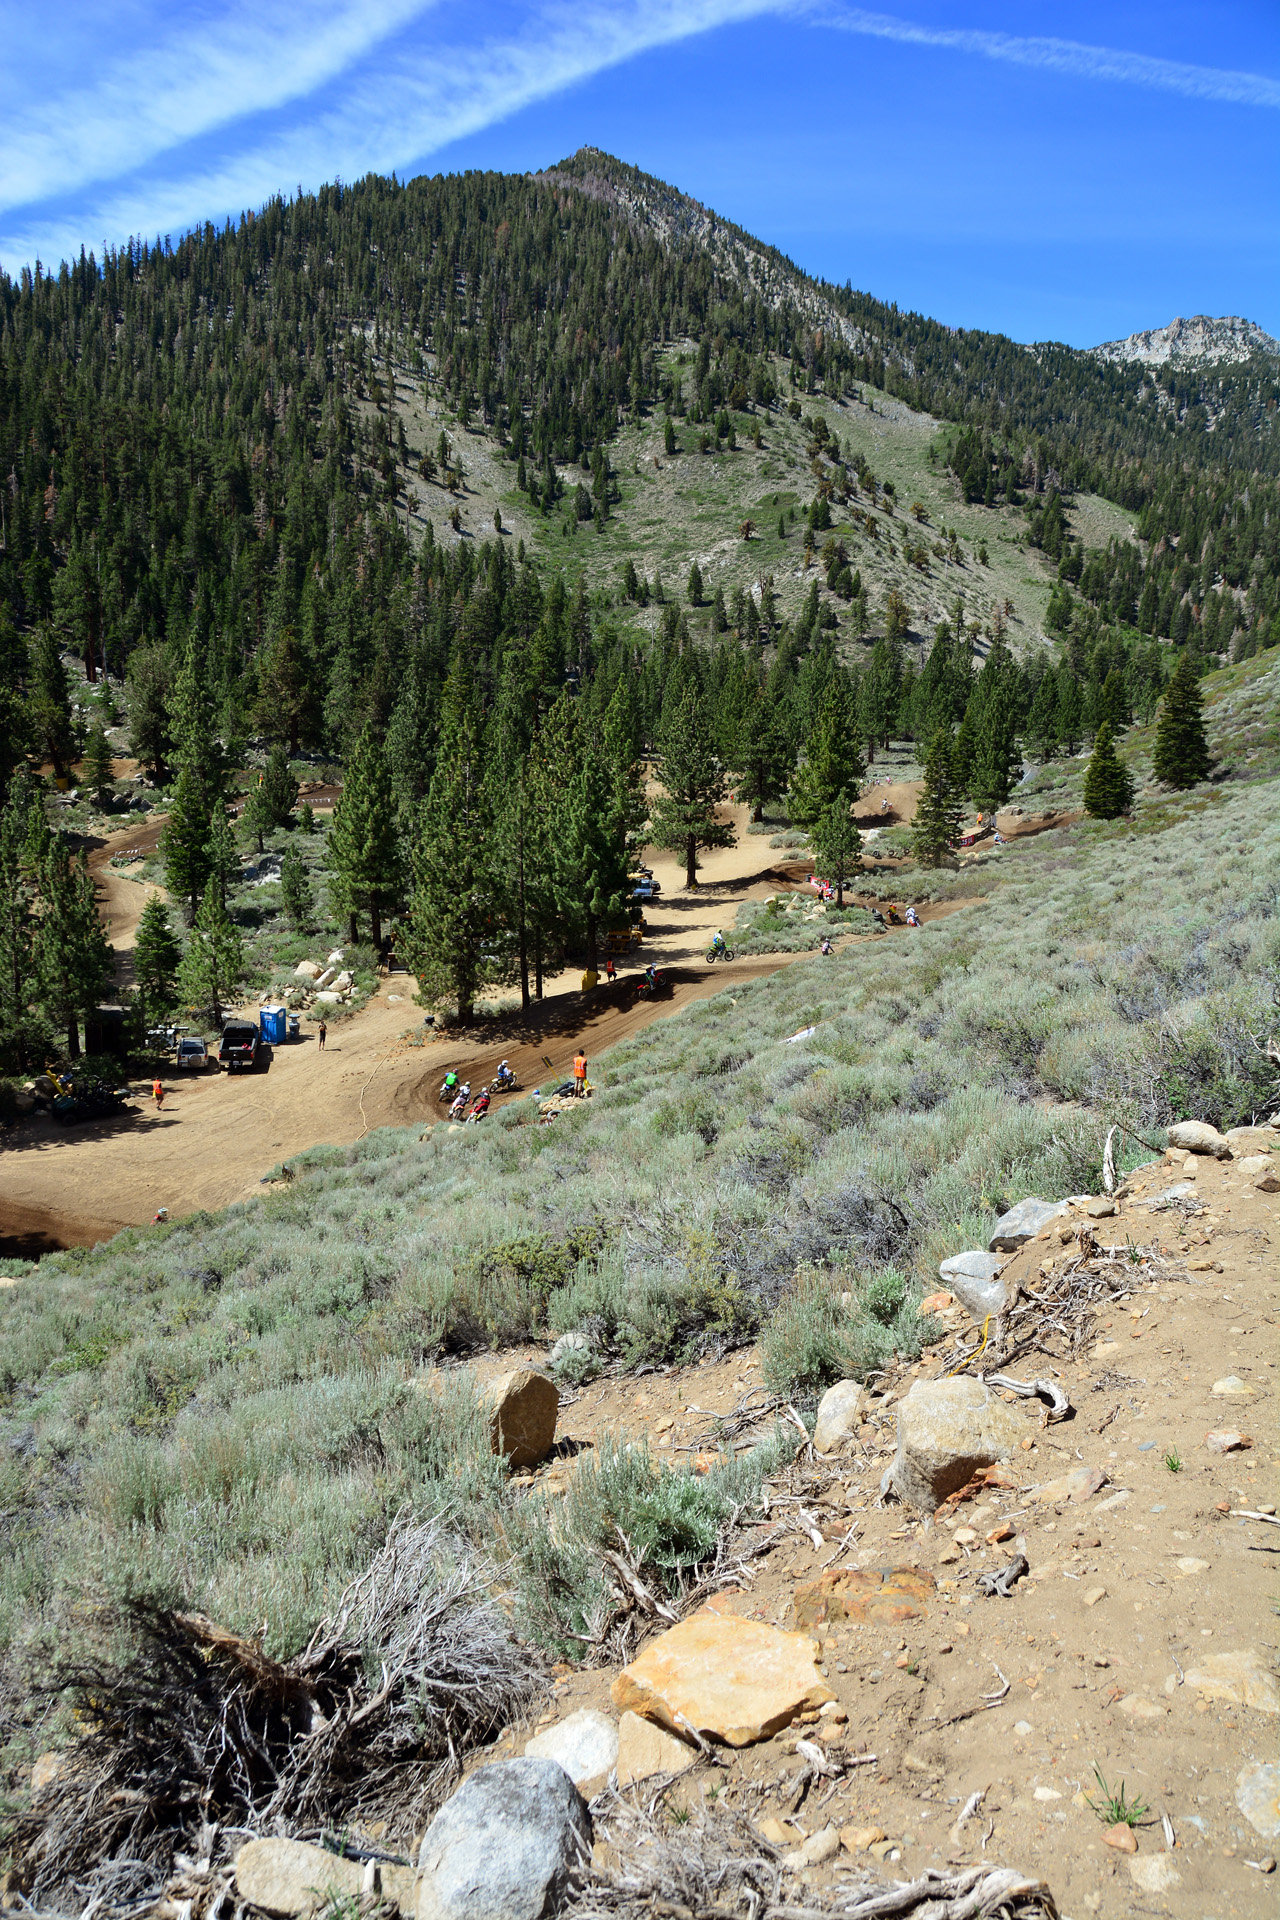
1242 1678
733 1680
858 1839
644 1749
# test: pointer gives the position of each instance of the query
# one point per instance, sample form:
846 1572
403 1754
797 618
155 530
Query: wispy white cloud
1062 56
198 114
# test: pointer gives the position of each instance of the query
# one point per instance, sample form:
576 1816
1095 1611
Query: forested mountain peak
1200 340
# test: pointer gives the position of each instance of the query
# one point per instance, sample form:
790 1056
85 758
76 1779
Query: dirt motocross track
217 1134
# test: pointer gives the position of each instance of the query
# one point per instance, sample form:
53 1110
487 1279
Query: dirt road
217 1134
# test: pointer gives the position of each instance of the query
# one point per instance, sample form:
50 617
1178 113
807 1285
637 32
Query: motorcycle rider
450 1086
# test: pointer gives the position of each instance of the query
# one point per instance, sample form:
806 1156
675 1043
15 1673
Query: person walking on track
580 1074
323 1035
157 1091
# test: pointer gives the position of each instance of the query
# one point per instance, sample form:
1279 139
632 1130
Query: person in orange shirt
157 1092
580 1075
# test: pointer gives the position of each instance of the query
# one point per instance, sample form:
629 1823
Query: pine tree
695 585
364 846
763 752
49 704
997 762
685 817
1070 711
184 844
221 852
1042 721
1108 784
295 890
1181 755
589 827
213 965
279 787
150 731
99 770
73 960
836 844
833 762
939 809
156 956
19 858
452 939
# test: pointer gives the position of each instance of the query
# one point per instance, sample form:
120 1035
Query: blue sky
1071 172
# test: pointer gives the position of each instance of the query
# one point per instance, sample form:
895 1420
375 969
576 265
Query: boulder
948 1430
504 1846
291 1876
523 1409
336 957
1259 1169
585 1744
974 1280
325 979
341 982
327 999
1197 1136
839 1415
1013 1229
1258 1796
733 1680
1242 1677
307 970
644 1750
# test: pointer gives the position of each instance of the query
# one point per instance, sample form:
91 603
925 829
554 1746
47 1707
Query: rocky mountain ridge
1192 342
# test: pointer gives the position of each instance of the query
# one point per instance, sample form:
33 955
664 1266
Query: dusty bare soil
1101 1658
218 1134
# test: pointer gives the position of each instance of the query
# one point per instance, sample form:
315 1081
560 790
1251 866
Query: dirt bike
718 953
650 989
505 1082
448 1091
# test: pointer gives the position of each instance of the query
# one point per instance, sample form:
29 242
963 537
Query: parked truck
242 1049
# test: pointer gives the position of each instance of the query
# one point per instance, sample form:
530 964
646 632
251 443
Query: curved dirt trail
217 1135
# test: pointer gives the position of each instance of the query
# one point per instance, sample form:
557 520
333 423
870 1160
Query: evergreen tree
74 963
19 988
719 613
763 752
939 809
878 696
1070 711
833 762
695 585
1042 721
452 939
364 845
997 763
836 844
49 704
295 890
1181 755
1108 784
213 965
589 829
685 817
156 956
184 844
221 852
150 691
99 771
279 788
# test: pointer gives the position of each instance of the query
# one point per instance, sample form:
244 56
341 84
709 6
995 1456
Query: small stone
820 1846
1254 1164
1231 1387
1077 1486
524 1408
1241 1677
736 1680
1121 1838
1136 1706
1258 1796
860 1839
1023 1222
1155 1873
1189 1565
1022 1728
974 1279
291 1876
1228 1442
839 1415
1101 1209
644 1750
1047 1793
1195 1136
1093 1595
935 1303
585 1744
504 1846
1005 1531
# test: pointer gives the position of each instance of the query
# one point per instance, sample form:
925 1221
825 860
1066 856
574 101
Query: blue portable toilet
273 1021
